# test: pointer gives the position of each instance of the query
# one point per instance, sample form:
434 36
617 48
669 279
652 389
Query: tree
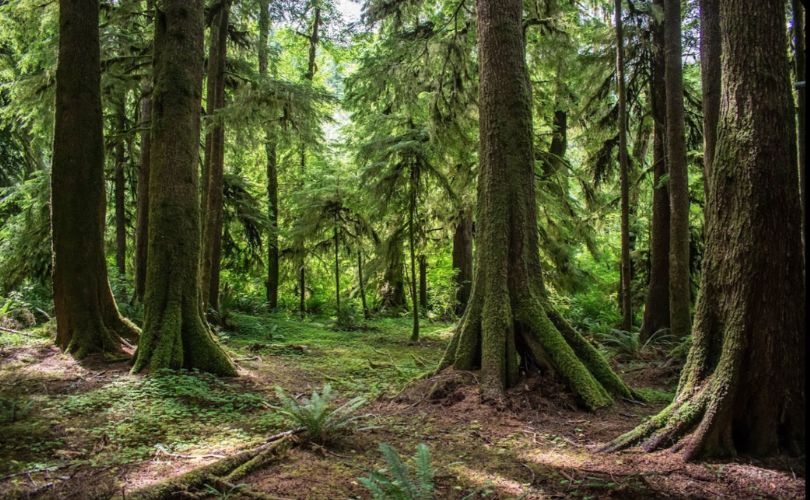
175 333
678 183
710 83
463 258
509 314
87 318
656 306
120 190
142 207
801 102
626 298
214 163
749 329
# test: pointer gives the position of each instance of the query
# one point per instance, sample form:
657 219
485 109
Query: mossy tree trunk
678 183
87 319
392 292
509 321
120 189
214 164
413 185
656 306
742 388
625 279
463 259
175 333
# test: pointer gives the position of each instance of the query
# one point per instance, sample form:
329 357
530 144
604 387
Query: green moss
653 395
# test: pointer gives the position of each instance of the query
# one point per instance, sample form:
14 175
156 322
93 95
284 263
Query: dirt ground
535 444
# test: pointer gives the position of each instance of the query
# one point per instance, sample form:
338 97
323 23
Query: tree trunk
175 333
411 245
749 329
625 280
120 192
336 239
679 284
87 318
423 301
656 308
798 56
710 83
142 209
509 315
272 171
393 287
214 164
361 283
463 259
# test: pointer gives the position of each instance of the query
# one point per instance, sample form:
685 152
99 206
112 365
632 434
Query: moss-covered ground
92 430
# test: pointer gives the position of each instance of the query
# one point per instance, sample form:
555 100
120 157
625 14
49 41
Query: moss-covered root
225 470
546 342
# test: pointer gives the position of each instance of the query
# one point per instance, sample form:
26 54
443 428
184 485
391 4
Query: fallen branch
225 470
16 332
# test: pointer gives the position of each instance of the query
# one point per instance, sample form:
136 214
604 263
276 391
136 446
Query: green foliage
320 416
396 481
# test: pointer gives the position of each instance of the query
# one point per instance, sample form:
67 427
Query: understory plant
320 416
397 481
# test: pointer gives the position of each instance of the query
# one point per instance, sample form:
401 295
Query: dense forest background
592 205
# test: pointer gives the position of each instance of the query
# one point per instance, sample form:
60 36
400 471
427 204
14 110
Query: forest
402 249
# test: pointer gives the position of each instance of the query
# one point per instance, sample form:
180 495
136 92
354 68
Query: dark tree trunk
710 82
175 333
336 242
272 171
508 315
625 280
393 286
463 259
214 165
87 319
749 329
120 192
412 187
423 295
142 208
362 284
679 284
798 56
656 309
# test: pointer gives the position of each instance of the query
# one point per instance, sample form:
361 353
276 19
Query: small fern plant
396 481
320 417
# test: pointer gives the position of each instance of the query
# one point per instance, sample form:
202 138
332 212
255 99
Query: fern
318 415
396 482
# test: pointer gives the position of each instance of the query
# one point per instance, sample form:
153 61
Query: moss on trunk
175 333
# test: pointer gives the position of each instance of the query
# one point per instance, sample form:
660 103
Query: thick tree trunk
87 319
656 309
749 329
509 320
463 259
272 171
392 292
120 192
625 280
142 208
362 285
679 283
798 56
214 165
175 333
710 82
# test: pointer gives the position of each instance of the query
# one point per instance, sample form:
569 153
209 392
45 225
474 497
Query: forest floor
92 430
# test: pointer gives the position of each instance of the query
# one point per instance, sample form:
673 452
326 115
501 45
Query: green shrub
396 481
320 417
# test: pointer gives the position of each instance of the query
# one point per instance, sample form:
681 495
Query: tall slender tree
678 183
175 333
509 319
87 318
120 189
214 159
710 82
750 326
801 101
142 207
656 306
627 311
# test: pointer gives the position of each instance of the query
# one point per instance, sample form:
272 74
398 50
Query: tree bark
801 112
362 285
393 286
625 280
175 333
749 329
509 315
87 318
679 283
214 164
463 259
710 82
423 301
142 208
120 192
336 242
656 308
272 171
412 188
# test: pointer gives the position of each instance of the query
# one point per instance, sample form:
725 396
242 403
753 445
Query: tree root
222 472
